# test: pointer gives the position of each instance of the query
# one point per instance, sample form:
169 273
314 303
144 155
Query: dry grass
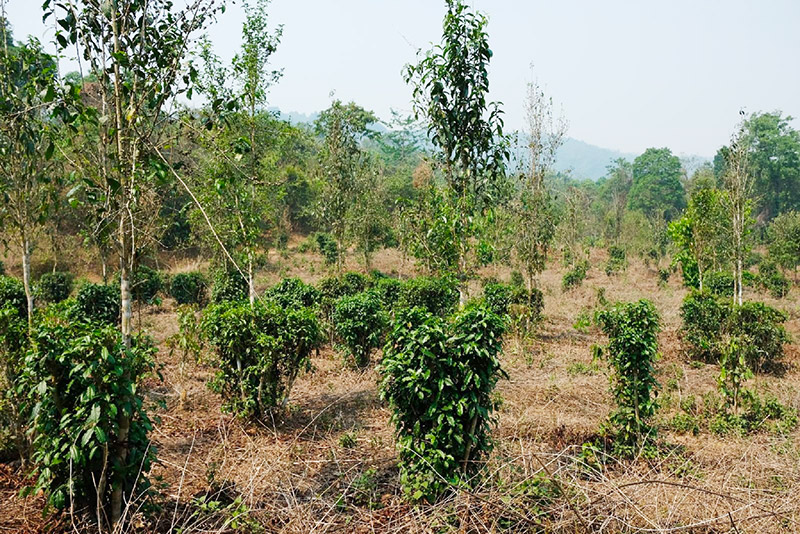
329 464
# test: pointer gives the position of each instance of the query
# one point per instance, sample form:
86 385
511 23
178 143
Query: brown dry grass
329 464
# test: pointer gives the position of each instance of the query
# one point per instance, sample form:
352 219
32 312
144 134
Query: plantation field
328 462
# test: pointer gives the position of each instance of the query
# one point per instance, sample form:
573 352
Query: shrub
12 293
388 289
575 276
89 420
718 283
13 345
327 247
353 283
663 276
98 303
54 287
498 297
294 293
439 378
708 321
189 288
632 329
437 295
229 286
145 284
260 350
359 322
2 268
773 280
516 279
617 260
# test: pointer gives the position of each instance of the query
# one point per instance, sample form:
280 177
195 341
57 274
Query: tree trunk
251 282
26 278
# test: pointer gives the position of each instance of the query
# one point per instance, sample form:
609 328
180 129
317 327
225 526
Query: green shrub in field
89 422
14 343
516 279
293 292
718 283
708 321
259 352
189 288
229 286
523 307
632 350
439 378
98 303
12 293
388 289
617 260
773 280
2 268
498 297
54 287
575 276
359 323
333 288
437 295
327 246
146 284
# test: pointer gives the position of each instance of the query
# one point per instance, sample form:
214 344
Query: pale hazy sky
629 74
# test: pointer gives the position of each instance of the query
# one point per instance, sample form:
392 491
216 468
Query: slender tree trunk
26 277
251 281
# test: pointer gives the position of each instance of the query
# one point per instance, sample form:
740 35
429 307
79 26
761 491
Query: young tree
617 187
534 211
28 87
136 49
657 189
784 240
451 84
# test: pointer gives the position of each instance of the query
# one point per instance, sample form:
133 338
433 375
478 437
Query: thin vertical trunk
26 277
251 281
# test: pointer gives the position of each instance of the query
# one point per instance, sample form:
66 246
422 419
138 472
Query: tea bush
388 290
146 284
632 350
12 293
89 422
437 295
294 293
188 288
259 352
98 303
575 276
773 280
498 297
617 260
718 283
327 247
703 314
54 287
439 378
13 346
229 286
359 323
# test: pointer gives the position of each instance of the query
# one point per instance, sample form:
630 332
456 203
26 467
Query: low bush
91 445
229 286
259 352
388 290
14 343
2 268
436 295
359 323
773 280
12 293
54 287
617 260
189 288
719 283
98 303
439 379
575 276
327 246
294 293
632 350
146 284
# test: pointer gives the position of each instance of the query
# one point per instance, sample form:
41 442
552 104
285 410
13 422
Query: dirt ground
329 465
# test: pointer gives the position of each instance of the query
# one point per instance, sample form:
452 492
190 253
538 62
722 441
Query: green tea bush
98 303
632 350
189 288
359 323
498 297
439 379
12 293
229 286
259 352
54 287
294 293
437 295
388 289
575 276
146 284
708 321
617 260
14 343
773 280
89 421
718 283
327 247
516 279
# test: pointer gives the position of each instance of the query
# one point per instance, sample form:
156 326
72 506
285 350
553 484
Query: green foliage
189 288
98 303
146 284
439 296
294 293
260 350
709 321
2 268
389 290
359 322
657 190
439 379
719 283
734 371
83 388
617 260
773 280
14 343
327 247
229 286
784 240
575 276
12 293
54 287
498 297
632 350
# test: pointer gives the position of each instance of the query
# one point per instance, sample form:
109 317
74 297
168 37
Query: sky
628 74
